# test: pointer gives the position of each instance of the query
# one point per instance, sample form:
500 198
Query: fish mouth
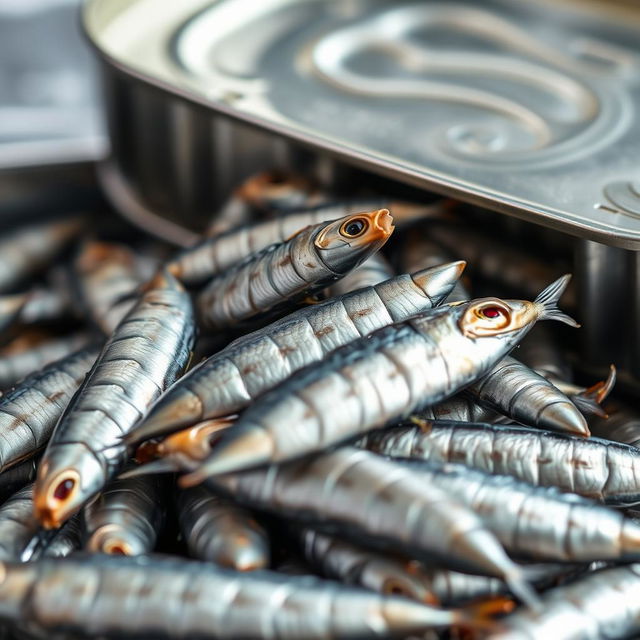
382 223
54 505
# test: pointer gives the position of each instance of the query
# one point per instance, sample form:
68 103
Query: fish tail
548 300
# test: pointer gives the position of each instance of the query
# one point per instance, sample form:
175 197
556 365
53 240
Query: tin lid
525 108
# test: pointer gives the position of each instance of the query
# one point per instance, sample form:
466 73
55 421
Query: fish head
512 319
344 243
113 539
67 479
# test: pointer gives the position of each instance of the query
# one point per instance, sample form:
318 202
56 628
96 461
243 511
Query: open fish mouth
383 222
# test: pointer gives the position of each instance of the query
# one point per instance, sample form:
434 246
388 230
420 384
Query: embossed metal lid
527 108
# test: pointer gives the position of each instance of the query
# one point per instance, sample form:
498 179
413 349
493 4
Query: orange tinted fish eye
491 312
354 228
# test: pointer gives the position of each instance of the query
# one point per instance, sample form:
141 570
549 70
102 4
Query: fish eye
354 227
491 312
64 489
394 587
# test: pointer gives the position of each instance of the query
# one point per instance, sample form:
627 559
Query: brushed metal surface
526 108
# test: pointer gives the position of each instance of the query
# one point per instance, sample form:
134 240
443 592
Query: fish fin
425 425
589 400
520 588
157 466
548 300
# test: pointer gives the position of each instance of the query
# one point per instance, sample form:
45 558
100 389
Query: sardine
228 381
126 517
385 376
377 501
27 250
222 532
165 598
30 411
518 392
594 468
537 522
148 350
604 604
285 272
17 524
107 278
373 271
16 364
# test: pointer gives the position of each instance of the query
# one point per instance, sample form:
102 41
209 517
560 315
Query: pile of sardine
305 426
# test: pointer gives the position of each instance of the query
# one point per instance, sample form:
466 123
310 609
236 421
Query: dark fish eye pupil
354 227
491 312
64 489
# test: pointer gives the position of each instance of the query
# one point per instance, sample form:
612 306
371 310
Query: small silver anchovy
459 408
370 499
30 249
536 522
374 380
372 271
518 392
30 411
594 468
17 524
147 352
604 604
166 598
286 272
16 364
228 381
107 277
222 532
125 518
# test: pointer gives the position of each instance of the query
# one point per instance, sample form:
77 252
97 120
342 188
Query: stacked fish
350 453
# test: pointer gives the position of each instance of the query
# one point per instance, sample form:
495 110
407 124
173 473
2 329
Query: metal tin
526 108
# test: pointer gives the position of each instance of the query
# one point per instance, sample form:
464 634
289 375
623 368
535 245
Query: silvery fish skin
460 408
166 598
372 570
516 391
371 381
26 251
594 468
537 522
17 524
13 479
107 277
30 411
67 539
285 272
337 491
148 350
604 604
14 367
229 380
125 518
222 532
372 271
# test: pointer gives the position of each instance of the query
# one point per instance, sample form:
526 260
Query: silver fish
27 250
518 392
459 408
373 380
17 524
594 468
107 277
372 271
125 518
604 604
17 363
30 411
291 270
166 598
221 532
537 522
369 498
228 381
148 350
